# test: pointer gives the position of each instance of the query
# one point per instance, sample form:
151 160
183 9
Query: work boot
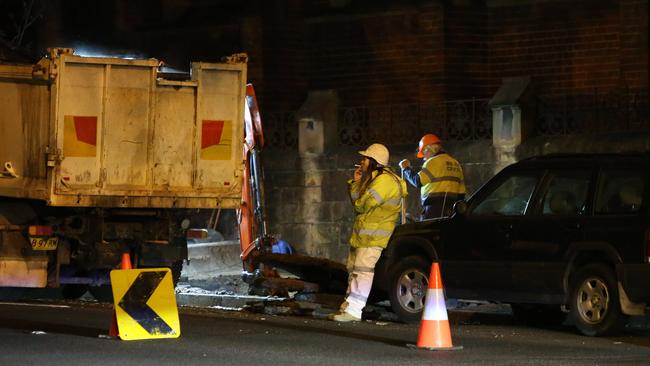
343 317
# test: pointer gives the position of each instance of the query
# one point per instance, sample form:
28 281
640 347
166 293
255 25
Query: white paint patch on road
34 305
227 308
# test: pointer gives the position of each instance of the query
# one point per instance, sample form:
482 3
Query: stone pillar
512 119
317 125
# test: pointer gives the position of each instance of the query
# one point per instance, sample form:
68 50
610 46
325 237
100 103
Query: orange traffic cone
114 331
126 261
435 334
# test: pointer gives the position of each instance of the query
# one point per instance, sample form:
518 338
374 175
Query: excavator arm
253 231
259 261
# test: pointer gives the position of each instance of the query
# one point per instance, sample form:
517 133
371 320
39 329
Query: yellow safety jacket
441 175
377 209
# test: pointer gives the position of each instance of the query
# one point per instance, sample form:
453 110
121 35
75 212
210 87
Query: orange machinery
259 262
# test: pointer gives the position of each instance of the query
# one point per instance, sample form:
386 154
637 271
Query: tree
19 16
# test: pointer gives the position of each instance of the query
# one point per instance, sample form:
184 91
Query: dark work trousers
440 206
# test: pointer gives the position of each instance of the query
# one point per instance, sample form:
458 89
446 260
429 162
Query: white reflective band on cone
435 308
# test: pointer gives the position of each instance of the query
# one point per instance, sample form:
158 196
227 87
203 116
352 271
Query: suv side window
620 192
566 193
511 197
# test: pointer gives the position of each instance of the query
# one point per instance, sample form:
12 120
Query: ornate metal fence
471 119
394 123
280 130
616 111
406 123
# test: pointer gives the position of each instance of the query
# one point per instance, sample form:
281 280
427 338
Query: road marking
28 304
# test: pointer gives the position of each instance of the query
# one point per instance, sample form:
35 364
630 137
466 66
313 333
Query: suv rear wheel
595 306
408 283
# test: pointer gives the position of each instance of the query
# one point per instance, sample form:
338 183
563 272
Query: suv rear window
620 192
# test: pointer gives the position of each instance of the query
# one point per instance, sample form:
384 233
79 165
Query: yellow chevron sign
145 303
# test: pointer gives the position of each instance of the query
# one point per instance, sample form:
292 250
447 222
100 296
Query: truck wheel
595 306
408 283
538 315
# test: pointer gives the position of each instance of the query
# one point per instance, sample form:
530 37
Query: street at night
67 333
324 182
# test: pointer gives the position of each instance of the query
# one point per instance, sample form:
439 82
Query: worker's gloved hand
404 164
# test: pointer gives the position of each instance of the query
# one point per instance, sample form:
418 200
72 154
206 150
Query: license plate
44 243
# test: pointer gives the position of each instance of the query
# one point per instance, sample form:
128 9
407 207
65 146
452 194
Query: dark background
371 52
399 68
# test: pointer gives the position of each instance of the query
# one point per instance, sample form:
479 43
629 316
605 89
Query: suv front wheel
408 283
595 306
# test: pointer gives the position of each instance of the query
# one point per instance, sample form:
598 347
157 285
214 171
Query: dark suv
548 235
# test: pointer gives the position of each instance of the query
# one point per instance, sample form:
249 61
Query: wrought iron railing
393 123
406 123
471 119
616 111
280 130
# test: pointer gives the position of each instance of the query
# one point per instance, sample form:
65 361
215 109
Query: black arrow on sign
134 302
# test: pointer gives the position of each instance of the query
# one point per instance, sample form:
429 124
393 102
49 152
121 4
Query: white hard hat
378 152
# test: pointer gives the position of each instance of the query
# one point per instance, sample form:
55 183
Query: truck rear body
111 156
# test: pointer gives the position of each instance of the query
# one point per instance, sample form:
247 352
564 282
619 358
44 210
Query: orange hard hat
426 140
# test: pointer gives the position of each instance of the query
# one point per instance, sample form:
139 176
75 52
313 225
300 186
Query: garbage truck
101 156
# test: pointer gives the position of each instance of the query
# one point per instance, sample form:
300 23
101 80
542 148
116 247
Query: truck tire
595 307
407 287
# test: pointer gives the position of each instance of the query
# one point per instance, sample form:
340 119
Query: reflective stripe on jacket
377 209
441 174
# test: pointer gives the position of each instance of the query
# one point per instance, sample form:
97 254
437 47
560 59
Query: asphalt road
67 334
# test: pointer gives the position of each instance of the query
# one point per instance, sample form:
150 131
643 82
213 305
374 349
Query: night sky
169 30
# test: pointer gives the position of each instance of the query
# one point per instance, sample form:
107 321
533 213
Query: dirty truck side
102 156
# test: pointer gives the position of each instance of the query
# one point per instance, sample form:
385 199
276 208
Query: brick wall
380 51
283 84
569 47
634 43
442 50
415 52
376 58
466 51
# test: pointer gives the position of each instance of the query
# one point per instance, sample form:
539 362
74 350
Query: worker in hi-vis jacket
440 180
376 193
